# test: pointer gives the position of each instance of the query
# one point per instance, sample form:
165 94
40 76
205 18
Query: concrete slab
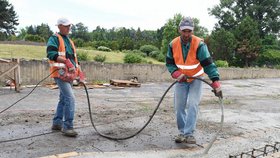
252 109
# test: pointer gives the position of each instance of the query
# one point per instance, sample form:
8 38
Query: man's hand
180 77
217 89
69 65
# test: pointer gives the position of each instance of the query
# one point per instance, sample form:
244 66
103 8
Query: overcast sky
146 14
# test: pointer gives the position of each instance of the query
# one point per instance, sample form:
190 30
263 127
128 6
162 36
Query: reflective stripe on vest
201 72
62 53
187 67
191 67
59 65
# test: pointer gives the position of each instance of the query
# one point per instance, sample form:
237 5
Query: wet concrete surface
251 110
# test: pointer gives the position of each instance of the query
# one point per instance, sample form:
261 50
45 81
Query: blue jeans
64 115
187 97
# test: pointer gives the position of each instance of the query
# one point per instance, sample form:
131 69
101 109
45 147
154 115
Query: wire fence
259 152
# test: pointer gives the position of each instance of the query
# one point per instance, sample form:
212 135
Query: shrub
90 44
83 56
154 54
277 66
269 58
160 57
79 42
132 58
13 38
148 49
99 58
221 63
34 38
136 51
103 48
3 36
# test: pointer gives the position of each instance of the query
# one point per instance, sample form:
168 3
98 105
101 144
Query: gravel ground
251 110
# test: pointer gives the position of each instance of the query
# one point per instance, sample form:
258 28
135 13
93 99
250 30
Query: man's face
64 30
186 34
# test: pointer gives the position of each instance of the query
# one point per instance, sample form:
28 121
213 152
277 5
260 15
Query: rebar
259 152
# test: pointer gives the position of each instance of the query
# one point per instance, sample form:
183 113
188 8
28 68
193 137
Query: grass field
29 52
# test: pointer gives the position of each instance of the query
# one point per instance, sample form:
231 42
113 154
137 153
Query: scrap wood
96 86
63 155
124 83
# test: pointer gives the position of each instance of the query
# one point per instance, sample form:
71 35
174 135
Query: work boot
56 127
69 132
180 138
190 140
185 139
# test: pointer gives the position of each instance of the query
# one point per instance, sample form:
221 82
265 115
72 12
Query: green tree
159 37
265 12
22 33
270 42
222 45
170 31
44 31
8 18
99 34
31 30
139 35
122 32
80 31
126 43
249 41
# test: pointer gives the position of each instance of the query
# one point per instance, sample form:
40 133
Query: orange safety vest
62 53
191 67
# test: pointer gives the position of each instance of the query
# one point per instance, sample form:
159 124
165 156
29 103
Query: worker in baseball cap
63 21
64 68
188 55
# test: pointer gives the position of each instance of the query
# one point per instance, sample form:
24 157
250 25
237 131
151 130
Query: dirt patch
251 120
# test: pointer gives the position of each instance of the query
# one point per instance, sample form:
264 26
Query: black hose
151 117
123 138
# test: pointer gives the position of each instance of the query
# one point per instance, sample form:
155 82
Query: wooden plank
124 83
17 76
63 155
9 70
96 86
4 61
16 73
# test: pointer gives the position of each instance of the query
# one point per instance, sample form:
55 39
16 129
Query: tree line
247 33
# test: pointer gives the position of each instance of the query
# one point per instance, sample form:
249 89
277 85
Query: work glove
180 77
81 77
69 65
217 89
